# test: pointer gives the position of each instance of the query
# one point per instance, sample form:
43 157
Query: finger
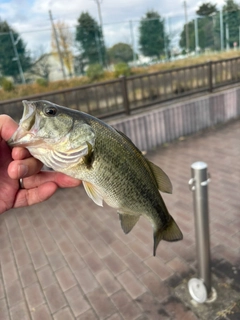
19 153
24 168
60 179
7 127
32 196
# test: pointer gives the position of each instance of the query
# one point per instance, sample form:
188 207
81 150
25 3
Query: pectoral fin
93 193
128 221
163 181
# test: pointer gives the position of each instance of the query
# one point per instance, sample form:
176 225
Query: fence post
125 95
210 75
201 289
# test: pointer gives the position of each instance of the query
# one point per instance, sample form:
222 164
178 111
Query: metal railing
123 95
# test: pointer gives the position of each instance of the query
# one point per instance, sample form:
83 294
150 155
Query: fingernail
22 170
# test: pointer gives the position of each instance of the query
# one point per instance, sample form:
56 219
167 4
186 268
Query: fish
113 170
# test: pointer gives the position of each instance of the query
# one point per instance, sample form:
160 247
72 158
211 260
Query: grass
35 88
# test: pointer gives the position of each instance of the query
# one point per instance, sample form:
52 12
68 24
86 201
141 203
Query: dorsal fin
163 181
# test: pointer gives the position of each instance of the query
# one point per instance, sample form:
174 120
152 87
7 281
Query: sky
30 18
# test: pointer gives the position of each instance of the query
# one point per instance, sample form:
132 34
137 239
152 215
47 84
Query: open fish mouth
28 126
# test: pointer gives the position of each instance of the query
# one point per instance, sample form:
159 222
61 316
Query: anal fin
128 221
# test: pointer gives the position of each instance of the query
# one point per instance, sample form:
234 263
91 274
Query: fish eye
50 111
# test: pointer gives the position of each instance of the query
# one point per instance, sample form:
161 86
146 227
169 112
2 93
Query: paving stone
27 275
130 311
101 303
83 247
115 264
140 250
135 264
39 259
6 255
9 271
14 293
108 282
88 315
55 298
46 276
34 296
120 248
22 258
41 312
79 305
18 245
65 278
74 261
159 268
94 263
152 309
176 309
115 316
120 299
2 293
131 284
177 265
66 246
33 245
108 236
56 260
100 247
49 245
64 314
19 311
155 285
4 311
86 280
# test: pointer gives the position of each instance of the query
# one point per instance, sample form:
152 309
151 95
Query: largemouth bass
109 164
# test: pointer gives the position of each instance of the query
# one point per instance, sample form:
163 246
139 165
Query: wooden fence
123 95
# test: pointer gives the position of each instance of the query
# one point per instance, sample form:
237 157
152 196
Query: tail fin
170 233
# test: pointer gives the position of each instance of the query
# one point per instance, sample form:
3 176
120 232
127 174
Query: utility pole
196 35
16 58
133 42
221 30
98 2
186 24
99 12
57 43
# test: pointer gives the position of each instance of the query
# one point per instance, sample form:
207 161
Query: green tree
153 41
191 36
206 9
231 20
90 38
8 63
206 33
120 52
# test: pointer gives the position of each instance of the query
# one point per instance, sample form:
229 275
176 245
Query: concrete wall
155 127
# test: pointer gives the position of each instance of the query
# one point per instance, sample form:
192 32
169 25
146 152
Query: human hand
16 164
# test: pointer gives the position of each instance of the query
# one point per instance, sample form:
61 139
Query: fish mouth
28 126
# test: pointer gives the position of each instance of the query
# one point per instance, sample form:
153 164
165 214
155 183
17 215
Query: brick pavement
69 259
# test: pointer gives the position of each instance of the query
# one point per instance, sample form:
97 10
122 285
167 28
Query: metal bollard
201 289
